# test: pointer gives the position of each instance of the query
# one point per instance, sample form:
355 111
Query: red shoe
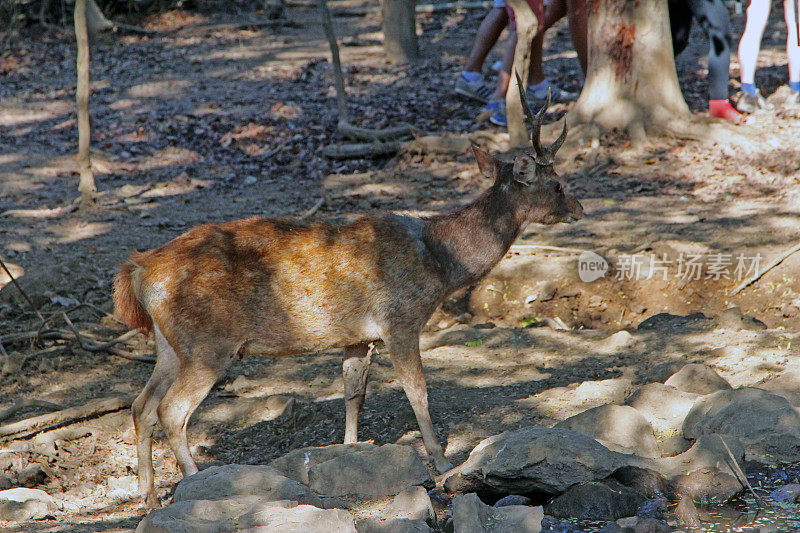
723 109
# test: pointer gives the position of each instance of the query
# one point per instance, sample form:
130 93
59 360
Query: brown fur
276 287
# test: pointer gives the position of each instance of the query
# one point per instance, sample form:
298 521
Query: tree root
29 426
27 404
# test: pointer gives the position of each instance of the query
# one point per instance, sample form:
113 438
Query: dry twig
775 262
740 474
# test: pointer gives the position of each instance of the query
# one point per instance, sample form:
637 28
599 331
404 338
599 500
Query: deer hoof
151 501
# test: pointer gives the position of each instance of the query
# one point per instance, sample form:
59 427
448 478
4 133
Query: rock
26 504
674 445
5 483
245 514
596 501
439 500
227 481
391 525
295 464
765 423
470 515
535 459
553 525
31 476
547 291
512 499
653 508
647 482
686 513
663 406
698 379
638 524
412 503
733 319
371 474
786 494
695 322
707 452
708 485
619 428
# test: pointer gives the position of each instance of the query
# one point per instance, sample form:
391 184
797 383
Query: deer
276 287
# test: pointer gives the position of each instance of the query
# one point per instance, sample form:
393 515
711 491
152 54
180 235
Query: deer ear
487 163
524 169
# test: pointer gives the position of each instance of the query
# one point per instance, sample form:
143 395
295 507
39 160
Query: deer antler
543 156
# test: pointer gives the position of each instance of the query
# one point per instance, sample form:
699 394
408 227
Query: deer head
532 174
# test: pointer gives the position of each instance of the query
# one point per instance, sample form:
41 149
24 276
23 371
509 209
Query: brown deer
276 287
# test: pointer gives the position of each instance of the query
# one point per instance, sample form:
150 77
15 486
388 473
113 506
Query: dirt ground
215 117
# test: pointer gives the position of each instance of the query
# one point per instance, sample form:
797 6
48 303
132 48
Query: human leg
470 82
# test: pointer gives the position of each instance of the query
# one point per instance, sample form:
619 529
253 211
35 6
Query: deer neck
469 242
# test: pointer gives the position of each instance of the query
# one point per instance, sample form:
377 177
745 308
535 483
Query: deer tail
127 306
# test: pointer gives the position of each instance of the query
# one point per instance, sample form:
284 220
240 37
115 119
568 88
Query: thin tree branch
19 288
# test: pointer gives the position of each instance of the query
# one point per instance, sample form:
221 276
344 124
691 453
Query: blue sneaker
477 90
538 97
498 109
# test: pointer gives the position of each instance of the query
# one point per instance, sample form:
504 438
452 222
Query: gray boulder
767 424
708 451
619 428
637 524
245 514
391 525
21 504
535 459
663 406
596 501
227 481
708 485
370 474
296 464
470 515
698 379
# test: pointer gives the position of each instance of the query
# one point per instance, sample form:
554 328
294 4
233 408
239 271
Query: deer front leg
404 352
355 371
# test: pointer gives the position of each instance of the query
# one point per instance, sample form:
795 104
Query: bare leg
488 33
145 416
578 28
355 371
194 379
553 12
404 351
792 46
504 76
750 43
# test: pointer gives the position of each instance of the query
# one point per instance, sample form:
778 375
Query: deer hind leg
193 381
145 415
404 352
355 371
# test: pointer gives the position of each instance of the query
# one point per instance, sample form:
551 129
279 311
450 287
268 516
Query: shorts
537 6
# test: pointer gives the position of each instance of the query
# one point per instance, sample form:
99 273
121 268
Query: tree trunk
86 185
526 30
400 30
631 84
